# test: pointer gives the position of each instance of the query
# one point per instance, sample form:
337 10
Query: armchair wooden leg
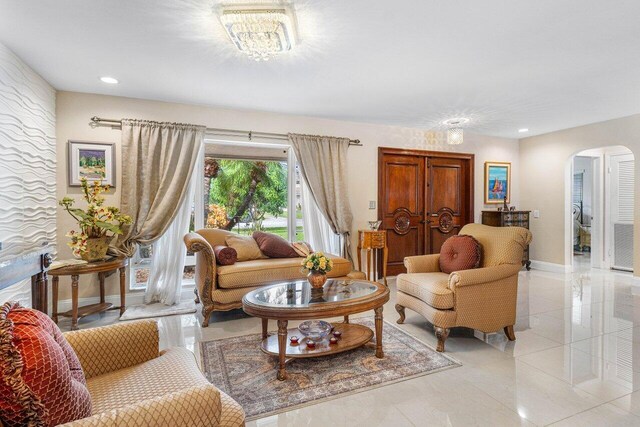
400 310
508 331
197 300
206 313
441 334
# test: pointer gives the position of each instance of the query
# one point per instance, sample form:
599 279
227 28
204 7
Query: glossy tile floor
573 363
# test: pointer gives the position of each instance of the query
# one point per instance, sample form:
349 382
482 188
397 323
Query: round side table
103 268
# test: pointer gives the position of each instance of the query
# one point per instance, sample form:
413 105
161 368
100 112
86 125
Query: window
242 187
251 187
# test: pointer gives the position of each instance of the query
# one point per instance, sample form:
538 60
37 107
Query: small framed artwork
497 182
94 161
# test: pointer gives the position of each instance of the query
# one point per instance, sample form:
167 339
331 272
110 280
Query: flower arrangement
217 217
317 261
96 220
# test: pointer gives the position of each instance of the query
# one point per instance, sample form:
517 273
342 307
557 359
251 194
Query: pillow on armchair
41 382
461 252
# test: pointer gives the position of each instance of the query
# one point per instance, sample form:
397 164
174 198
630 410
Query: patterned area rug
239 368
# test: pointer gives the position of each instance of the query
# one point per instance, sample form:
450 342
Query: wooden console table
373 241
509 219
104 269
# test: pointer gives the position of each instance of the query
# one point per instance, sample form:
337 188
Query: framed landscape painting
497 182
94 161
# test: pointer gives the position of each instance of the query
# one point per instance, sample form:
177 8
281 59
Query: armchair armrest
194 406
197 244
422 263
479 276
110 348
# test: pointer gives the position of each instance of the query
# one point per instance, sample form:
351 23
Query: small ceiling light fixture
260 32
109 80
523 130
455 133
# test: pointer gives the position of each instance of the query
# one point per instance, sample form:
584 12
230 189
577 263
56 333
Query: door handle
425 221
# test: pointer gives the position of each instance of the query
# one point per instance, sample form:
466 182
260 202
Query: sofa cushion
246 248
42 382
273 245
174 370
459 253
225 255
263 271
432 288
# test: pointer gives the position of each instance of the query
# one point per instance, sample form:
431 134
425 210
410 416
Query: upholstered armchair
131 383
482 298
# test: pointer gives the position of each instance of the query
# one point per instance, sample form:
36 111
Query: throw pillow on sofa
274 246
225 255
458 253
42 382
303 249
246 248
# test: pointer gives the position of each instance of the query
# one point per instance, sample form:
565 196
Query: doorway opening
601 208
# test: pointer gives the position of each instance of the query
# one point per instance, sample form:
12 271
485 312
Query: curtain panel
323 166
158 160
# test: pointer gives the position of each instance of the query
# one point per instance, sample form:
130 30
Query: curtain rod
97 121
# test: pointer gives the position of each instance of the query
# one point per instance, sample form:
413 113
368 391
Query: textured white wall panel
27 164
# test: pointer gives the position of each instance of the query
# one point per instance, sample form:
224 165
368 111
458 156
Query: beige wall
543 167
75 109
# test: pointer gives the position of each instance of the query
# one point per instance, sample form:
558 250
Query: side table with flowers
98 225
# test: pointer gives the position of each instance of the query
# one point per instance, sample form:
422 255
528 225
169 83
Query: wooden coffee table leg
54 298
346 319
379 352
74 301
282 348
265 326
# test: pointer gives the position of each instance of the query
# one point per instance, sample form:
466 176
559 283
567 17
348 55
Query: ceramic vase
96 248
317 279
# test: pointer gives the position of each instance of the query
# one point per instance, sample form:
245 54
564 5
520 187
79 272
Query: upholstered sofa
221 288
481 298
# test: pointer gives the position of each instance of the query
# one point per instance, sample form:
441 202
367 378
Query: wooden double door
424 197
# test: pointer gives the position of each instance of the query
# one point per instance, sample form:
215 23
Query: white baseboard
551 267
132 298
636 281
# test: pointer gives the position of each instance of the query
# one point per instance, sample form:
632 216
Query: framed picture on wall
95 161
497 182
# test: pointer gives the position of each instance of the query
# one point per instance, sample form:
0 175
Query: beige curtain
158 160
323 166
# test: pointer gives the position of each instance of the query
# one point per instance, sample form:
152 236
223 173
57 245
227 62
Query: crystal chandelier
259 33
455 136
455 133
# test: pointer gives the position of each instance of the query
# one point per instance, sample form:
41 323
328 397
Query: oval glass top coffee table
299 301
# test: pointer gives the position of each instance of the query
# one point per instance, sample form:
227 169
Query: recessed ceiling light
523 130
109 80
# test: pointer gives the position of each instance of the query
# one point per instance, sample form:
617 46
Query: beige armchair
483 298
131 383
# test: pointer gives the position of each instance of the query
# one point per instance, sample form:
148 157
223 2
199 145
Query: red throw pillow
225 255
458 253
274 246
41 382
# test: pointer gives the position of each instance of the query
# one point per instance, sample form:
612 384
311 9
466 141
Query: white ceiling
506 64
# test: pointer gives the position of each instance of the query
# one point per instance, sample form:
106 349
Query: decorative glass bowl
374 225
316 330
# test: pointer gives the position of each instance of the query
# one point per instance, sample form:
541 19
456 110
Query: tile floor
574 362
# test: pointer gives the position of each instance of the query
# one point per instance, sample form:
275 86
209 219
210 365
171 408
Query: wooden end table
104 269
298 301
373 241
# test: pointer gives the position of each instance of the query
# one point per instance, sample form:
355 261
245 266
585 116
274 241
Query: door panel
424 198
401 209
446 196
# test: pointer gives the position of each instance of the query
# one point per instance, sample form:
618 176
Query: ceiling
505 64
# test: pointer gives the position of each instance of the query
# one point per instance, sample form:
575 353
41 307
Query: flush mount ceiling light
523 130
455 134
109 80
260 32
